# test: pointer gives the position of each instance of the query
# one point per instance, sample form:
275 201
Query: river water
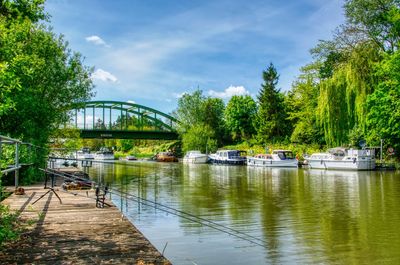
240 215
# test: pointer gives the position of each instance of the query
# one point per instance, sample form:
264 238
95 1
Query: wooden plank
75 232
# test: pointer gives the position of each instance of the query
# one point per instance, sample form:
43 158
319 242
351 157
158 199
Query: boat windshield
232 154
338 152
85 150
285 154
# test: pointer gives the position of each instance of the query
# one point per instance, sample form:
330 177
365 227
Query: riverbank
74 232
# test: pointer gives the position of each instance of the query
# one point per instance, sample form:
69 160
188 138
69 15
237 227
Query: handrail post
16 164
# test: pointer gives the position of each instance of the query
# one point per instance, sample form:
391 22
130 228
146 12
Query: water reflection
301 216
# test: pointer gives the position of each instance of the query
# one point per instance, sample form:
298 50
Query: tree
200 137
271 117
190 110
239 117
40 78
377 20
302 102
32 10
213 109
383 119
198 113
371 30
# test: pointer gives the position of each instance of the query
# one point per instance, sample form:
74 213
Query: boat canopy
338 151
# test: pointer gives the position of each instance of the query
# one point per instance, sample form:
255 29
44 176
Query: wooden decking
75 232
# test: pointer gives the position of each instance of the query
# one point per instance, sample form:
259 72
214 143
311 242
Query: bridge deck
75 232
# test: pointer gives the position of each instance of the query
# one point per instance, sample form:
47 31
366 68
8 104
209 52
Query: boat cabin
283 154
263 156
231 154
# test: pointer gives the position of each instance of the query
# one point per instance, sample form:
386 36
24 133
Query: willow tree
342 97
348 75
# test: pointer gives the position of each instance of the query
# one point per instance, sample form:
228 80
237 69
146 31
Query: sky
151 52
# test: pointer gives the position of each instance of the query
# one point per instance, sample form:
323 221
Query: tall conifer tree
271 117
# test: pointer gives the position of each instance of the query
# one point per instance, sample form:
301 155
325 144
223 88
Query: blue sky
152 51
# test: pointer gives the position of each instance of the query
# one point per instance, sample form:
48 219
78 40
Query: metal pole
16 164
121 118
381 149
126 119
94 117
110 119
104 122
84 118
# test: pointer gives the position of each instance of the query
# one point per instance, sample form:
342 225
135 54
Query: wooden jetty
75 232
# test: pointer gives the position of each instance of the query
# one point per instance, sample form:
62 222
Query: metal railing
16 166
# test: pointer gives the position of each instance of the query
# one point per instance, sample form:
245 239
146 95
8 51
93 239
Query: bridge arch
123 120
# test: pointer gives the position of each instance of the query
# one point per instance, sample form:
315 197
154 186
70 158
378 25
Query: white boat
130 158
232 157
104 154
195 157
84 153
341 158
278 158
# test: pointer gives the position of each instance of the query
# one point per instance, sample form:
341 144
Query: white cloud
105 76
97 41
229 92
131 101
179 95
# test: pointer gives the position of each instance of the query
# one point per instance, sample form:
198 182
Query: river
217 214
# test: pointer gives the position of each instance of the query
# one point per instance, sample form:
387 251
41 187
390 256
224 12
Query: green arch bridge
122 120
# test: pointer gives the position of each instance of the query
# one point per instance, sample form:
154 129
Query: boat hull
228 161
195 160
104 157
368 164
256 162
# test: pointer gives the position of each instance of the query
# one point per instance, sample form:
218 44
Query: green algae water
288 216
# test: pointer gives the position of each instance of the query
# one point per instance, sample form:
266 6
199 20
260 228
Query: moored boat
166 157
278 158
195 157
84 153
343 159
130 158
231 157
104 154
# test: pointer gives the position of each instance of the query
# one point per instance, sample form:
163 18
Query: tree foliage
271 116
376 20
40 77
32 10
347 67
383 120
199 137
302 102
201 121
239 115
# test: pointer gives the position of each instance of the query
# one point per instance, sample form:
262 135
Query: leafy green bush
7 225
